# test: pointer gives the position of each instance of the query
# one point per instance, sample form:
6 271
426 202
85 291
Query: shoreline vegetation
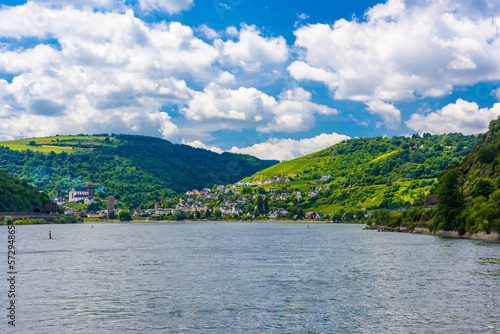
64 219
493 236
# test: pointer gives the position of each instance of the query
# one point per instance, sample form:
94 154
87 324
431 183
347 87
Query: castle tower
111 204
90 189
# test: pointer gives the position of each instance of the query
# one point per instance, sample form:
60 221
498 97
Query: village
243 200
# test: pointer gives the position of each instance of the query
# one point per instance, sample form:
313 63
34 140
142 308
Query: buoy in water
307 226
92 226
50 235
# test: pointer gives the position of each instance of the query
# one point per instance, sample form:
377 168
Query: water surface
250 277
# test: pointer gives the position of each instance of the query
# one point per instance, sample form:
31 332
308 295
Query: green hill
468 192
370 173
137 170
18 196
469 195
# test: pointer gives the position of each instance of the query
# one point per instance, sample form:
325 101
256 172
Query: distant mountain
18 196
369 173
138 170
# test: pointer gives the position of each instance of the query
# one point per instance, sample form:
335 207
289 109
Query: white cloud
208 32
461 116
401 51
232 31
496 94
390 114
249 107
169 6
199 144
252 51
287 149
226 78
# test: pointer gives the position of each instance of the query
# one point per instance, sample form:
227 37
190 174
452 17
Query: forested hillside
18 196
371 173
137 170
469 195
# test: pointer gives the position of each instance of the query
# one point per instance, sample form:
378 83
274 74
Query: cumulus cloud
249 107
199 144
287 149
400 51
208 32
390 114
252 51
461 116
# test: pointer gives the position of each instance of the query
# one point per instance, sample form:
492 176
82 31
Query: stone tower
111 204
90 189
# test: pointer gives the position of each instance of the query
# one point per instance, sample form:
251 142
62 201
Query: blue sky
276 79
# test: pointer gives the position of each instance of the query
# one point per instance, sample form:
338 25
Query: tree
93 207
111 215
249 208
260 205
217 214
124 215
486 154
179 215
197 214
451 203
266 205
482 188
208 214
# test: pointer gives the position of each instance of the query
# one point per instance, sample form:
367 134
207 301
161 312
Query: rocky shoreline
424 229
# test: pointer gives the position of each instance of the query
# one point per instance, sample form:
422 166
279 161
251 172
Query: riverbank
424 229
311 221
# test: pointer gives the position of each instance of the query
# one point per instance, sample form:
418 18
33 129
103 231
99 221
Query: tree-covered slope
18 196
468 192
371 173
137 170
471 190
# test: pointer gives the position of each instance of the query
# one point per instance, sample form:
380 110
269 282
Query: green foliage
24 221
68 219
124 215
483 214
451 201
482 188
18 196
487 154
111 215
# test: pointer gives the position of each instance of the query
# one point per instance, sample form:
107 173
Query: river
248 277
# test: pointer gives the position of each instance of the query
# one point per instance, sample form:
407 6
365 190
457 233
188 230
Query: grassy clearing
59 144
383 156
287 167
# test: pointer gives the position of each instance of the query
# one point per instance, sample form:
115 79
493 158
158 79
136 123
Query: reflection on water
240 277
